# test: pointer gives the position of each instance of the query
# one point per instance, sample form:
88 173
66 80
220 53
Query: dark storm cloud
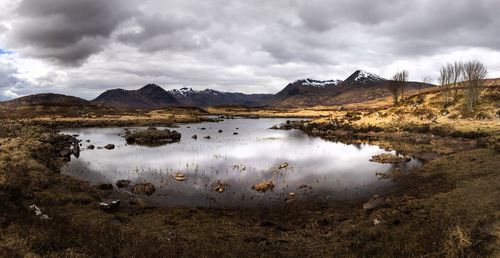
166 32
67 31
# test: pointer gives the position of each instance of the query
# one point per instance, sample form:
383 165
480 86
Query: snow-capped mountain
316 83
364 77
153 96
358 87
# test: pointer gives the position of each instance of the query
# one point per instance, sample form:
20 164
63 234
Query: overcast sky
83 47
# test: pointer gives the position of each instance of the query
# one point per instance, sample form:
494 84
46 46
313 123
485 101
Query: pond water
330 170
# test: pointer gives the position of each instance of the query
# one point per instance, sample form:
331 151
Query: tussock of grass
264 186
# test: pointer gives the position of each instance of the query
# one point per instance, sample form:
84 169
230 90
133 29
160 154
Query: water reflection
332 170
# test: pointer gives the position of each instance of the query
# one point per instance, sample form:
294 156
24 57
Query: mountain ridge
358 87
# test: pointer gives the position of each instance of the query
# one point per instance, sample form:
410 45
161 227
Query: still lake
330 170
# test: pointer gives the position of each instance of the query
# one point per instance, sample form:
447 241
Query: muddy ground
447 207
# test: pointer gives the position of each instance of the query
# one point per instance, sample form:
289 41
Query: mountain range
358 87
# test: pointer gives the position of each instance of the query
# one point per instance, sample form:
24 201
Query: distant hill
153 96
150 96
358 87
44 98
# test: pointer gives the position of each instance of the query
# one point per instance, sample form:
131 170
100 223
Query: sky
84 47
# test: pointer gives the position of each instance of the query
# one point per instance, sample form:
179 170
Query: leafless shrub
474 74
445 78
397 85
457 77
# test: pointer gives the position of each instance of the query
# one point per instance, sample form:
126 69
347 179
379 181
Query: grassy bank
446 208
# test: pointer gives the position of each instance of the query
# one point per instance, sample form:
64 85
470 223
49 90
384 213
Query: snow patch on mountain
366 76
187 92
317 83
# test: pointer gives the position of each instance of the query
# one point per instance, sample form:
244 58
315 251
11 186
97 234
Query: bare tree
444 81
474 74
456 78
397 85
403 80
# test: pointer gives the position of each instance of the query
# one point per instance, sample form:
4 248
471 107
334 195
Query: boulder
194 136
91 147
235 133
66 152
153 136
207 137
144 189
110 207
76 150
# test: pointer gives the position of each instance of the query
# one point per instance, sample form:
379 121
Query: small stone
179 177
90 147
194 136
283 165
109 146
291 194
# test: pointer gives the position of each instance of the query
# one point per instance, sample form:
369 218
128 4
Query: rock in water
153 136
122 183
145 189
389 158
264 186
179 177
109 146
